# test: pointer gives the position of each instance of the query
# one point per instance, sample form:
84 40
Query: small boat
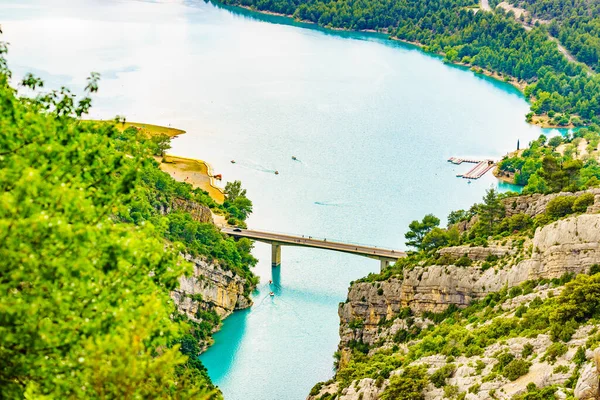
276 172
271 294
294 158
233 161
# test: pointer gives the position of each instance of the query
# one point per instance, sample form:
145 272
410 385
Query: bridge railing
331 239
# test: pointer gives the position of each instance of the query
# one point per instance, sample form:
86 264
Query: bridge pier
383 265
275 255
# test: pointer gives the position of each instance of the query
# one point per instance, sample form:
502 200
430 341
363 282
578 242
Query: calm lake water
371 121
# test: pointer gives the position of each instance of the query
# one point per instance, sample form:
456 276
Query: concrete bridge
279 239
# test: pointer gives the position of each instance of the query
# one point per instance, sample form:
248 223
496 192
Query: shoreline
519 85
181 168
177 166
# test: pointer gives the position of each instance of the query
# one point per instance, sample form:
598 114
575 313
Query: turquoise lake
371 121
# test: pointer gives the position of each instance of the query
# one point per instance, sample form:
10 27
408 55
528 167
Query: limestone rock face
218 287
570 245
587 384
535 204
476 253
198 212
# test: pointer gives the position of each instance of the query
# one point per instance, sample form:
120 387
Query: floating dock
458 161
482 167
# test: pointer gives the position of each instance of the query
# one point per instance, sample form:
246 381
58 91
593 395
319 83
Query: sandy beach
197 173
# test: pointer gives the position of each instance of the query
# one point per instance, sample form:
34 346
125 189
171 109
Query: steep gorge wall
571 245
219 288
211 286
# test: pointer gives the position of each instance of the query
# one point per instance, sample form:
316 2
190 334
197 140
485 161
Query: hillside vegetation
91 246
575 23
568 163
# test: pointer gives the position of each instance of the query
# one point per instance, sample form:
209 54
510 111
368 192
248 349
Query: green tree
233 190
491 211
84 296
418 230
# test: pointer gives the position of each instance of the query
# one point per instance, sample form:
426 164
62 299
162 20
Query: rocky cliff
535 204
370 315
210 285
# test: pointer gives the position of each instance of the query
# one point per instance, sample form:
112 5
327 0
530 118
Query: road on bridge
306 241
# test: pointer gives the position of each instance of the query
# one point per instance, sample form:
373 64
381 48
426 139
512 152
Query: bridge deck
293 240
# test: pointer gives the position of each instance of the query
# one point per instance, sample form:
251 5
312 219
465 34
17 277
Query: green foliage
85 309
438 378
491 211
418 230
515 369
576 24
554 351
527 350
236 202
560 206
408 386
560 369
464 261
580 300
582 202
533 393
316 389
579 357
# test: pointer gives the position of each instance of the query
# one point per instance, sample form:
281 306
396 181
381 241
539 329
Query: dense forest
575 23
89 256
487 40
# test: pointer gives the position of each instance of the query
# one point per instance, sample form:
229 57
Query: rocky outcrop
475 253
571 245
211 285
587 384
370 314
535 204
198 212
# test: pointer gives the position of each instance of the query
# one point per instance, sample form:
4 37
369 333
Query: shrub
491 258
560 206
580 300
561 369
474 388
563 331
579 357
520 310
503 360
527 350
594 269
554 351
479 366
515 291
438 378
582 202
408 386
516 368
486 265
450 391
519 222
464 261
316 389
